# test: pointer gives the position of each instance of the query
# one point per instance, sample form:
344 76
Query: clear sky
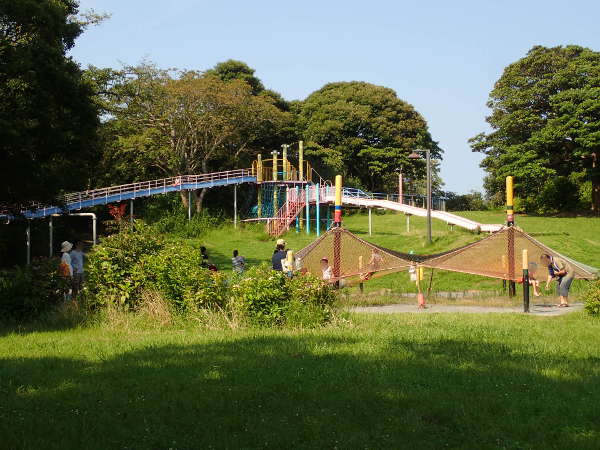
441 56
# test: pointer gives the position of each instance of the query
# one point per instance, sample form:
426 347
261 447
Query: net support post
525 282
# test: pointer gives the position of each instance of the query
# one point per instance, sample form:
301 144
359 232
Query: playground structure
285 194
496 256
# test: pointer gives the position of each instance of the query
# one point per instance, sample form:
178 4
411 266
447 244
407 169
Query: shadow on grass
302 392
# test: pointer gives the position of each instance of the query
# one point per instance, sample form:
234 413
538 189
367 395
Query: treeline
64 128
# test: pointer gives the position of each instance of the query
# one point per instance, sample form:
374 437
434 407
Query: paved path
535 309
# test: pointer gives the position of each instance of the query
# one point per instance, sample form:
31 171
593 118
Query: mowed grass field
503 381
578 238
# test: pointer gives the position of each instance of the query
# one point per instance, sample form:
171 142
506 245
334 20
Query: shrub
27 292
113 269
265 297
175 272
591 298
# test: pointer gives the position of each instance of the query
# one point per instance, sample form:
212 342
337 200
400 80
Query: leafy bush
175 272
113 271
266 297
592 299
27 292
178 224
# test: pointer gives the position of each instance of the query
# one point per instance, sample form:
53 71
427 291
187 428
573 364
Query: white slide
447 217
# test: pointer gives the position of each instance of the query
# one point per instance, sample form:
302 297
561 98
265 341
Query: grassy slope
575 237
404 381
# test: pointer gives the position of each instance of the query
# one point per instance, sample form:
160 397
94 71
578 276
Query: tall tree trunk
199 198
184 198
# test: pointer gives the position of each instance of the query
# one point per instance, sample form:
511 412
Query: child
326 269
238 263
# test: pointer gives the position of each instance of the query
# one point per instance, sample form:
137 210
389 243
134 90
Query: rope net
349 257
499 256
496 256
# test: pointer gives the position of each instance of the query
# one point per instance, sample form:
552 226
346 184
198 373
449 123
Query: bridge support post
317 210
131 211
50 237
28 236
189 205
408 223
235 206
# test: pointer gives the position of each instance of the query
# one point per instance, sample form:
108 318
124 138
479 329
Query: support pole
307 191
189 205
408 223
510 214
510 221
259 205
301 160
370 221
298 215
525 281
94 229
51 237
259 169
337 214
235 206
284 162
317 210
428 156
328 216
131 211
28 235
400 200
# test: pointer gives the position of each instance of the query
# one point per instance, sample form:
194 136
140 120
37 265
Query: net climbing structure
496 256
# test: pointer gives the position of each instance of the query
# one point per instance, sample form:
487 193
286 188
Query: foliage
27 292
473 201
365 131
546 127
114 273
591 298
48 120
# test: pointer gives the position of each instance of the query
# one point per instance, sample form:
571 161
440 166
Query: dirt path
535 309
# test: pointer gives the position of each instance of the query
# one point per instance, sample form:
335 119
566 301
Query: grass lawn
574 237
390 381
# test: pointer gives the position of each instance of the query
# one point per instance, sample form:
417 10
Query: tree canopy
365 131
48 120
546 129
186 122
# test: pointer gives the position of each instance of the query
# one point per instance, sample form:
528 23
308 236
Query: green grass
574 237
401 381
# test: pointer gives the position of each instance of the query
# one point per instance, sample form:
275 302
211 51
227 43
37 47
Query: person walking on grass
238 262
561 271
77 260
65 269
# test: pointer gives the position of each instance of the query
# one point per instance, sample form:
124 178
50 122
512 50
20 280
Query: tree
364 131
546 129
48 120
187 123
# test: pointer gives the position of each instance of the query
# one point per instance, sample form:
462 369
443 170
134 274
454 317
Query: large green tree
48 120
365 132
546 129
183 123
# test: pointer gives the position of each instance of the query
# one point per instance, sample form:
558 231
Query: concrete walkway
535 309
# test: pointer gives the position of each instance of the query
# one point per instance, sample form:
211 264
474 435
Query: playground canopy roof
498 256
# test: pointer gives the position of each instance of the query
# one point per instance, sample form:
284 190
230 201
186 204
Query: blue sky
441 56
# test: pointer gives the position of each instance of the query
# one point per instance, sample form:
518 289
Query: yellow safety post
510 213
259 169
525 281
337 215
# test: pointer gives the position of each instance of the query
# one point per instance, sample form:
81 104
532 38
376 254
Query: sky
443 57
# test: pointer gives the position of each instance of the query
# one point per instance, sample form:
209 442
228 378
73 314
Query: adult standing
66 269
77 262
278 255
560 270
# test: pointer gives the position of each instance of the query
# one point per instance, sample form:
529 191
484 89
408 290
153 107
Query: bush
265 297
591 298
113 271
27 292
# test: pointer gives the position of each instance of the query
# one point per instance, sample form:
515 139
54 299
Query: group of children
238 262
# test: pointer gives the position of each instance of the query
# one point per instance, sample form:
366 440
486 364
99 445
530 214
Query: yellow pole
284 162
337 217
274 166
510 214
301 160
525 260
259 169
